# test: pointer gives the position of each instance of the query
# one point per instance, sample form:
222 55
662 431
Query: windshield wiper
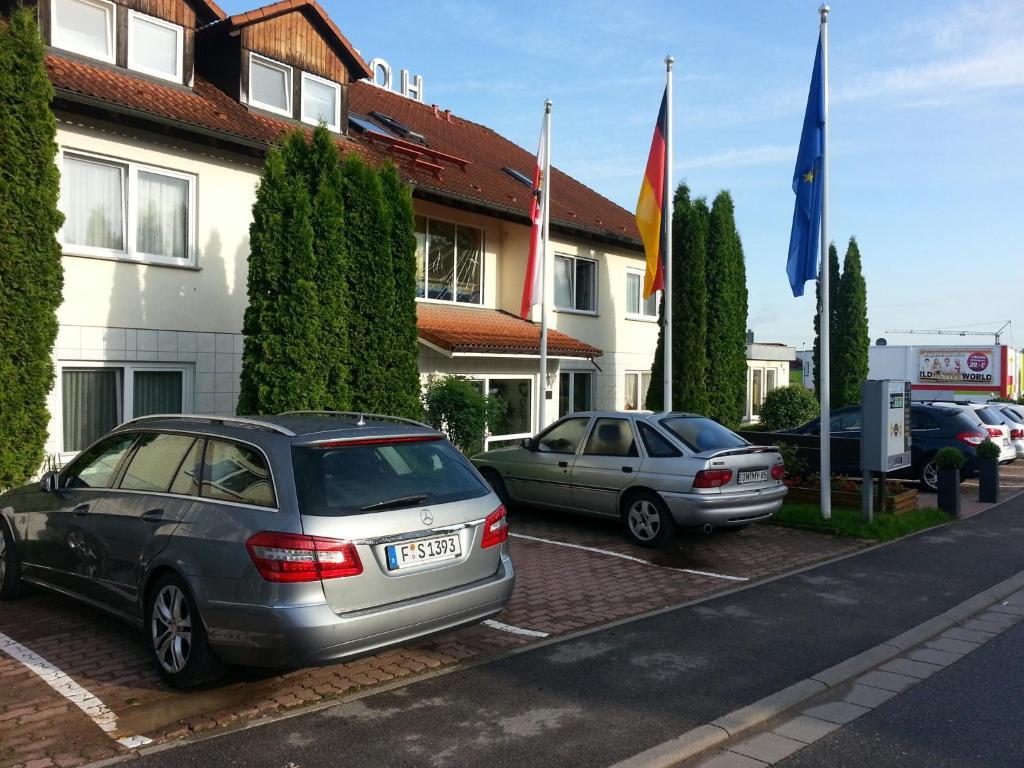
401 501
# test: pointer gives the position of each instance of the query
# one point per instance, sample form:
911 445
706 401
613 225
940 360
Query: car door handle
563 464
153 515
627 469
80 510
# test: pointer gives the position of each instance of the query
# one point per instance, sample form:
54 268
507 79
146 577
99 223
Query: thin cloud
768 154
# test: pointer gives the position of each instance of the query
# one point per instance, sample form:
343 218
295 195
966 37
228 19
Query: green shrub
788 406
950 458
988 450
458 407
31 271
795 466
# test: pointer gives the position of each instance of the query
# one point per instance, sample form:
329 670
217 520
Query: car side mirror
528 444
50 482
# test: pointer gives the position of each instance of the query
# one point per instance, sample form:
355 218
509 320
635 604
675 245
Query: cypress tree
404 378
727 316
852 340
371 284
833 294
690 221
31 272
281 361
326 186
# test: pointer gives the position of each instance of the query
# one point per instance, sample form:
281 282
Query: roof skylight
522 178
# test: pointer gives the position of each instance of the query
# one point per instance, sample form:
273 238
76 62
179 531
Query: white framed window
97 396
321 102
515 420
85 27
449 261
155 46
575 392
637 383
756 391
125 210
575 284
637 307
270 85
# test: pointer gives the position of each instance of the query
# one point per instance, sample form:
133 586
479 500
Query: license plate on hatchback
423 551
1006 443
752 476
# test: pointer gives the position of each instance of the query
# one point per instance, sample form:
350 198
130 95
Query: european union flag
807 184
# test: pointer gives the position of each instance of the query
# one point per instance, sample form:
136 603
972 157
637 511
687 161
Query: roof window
522 178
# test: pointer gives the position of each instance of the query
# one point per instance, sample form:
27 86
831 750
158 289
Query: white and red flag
532 289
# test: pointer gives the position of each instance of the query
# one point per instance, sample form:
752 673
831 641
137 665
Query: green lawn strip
848 522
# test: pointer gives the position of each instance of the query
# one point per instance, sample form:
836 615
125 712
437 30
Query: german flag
650 208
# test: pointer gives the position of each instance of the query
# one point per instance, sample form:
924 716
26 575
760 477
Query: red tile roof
313 7
491 331
462 160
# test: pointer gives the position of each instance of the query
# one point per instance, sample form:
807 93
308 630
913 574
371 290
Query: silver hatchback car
285 541
655 471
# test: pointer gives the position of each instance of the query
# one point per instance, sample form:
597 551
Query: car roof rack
360 417
240 421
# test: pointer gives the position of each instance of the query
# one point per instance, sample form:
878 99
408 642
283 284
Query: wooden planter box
905 501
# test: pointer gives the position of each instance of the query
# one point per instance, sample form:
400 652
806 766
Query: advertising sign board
956 366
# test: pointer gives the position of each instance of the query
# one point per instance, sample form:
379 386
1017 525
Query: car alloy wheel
644 520
930 475
3 559
171 629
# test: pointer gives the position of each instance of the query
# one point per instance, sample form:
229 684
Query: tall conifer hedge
31 272
834 280
852 339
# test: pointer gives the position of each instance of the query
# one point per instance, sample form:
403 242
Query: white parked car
994 423
1014 415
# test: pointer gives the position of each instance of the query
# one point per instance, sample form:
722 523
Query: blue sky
927 123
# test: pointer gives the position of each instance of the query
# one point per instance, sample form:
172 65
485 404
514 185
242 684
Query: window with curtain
449 261
84 26
93 199
756 394
154 46
320 101
637 384
574 391
92 404
99 195
575 283
270 85
770 380
97 399
636 304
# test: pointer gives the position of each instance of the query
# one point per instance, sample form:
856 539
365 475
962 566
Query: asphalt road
599 698
967 716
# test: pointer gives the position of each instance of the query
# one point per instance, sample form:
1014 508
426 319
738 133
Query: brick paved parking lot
560 589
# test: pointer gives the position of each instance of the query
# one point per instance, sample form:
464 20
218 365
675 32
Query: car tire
177 637
928 475
11 585
498 485
647 520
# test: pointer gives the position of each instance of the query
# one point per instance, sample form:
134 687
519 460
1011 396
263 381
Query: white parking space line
627 557
95 709
514 630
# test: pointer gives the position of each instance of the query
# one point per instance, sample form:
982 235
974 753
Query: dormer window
85 27
321 102
154 46
270 85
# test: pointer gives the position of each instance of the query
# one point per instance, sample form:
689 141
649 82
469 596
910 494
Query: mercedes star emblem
426 517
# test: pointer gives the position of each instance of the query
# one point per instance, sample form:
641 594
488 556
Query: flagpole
546 197
824 355
666 235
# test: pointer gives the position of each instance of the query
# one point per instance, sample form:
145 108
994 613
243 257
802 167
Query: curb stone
699 739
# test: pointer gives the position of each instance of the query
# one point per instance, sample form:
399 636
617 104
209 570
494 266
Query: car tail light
712 478
971 438
778 471
291 558
1017 434
994 432
495 528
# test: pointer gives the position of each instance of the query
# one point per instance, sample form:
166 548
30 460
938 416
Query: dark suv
293 539
931 427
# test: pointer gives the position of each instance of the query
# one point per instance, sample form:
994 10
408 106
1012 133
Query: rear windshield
963 421
357 479
989 416
700 434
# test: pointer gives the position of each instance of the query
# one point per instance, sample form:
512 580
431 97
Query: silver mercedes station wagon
284 541
655 471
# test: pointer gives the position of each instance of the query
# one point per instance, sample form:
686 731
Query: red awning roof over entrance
491 331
